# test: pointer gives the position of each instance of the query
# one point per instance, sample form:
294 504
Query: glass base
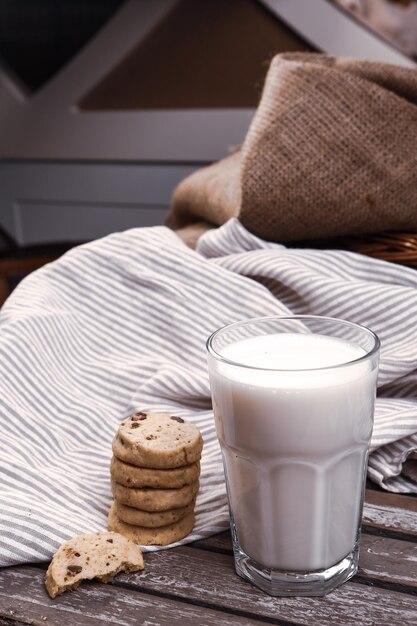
282 583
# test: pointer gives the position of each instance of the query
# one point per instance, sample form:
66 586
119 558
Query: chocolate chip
151 437
177 419
74 569
138 416
77 554
135 425
109 540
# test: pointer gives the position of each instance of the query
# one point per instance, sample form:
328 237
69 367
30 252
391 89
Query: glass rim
368 355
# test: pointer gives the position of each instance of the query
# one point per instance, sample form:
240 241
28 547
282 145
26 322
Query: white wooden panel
48 124
46 202
56 222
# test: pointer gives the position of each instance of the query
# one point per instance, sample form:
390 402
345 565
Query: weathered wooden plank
394 500
221 541
204 576
382 559
23 600
390 512
388 560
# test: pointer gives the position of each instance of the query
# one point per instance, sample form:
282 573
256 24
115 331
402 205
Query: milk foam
292 351
280 361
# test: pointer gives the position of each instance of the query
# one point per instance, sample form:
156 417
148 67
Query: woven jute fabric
331 150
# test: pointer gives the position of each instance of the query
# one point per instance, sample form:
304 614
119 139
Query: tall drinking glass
293 400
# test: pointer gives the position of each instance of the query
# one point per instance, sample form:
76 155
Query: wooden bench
197 585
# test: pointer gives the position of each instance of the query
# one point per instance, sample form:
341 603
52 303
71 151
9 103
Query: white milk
294 445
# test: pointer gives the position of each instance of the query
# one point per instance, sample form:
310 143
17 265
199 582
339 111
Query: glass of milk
293 400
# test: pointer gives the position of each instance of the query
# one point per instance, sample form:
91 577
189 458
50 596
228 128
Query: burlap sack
332 150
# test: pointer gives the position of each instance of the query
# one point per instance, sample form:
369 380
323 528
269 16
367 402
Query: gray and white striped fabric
120 324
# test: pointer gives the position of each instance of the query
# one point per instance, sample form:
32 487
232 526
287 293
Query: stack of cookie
155 473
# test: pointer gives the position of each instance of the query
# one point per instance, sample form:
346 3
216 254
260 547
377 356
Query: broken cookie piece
98 555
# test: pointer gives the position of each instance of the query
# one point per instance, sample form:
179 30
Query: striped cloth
120 324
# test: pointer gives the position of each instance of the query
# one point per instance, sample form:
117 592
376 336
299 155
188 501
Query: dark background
38 37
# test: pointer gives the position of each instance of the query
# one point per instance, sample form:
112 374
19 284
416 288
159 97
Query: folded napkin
331 151
120 324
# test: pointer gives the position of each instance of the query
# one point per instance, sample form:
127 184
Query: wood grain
23 600
382 559
390 512
190 585
388 561
393 500
204 576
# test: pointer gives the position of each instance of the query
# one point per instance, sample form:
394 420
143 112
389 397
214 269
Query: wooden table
197 585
